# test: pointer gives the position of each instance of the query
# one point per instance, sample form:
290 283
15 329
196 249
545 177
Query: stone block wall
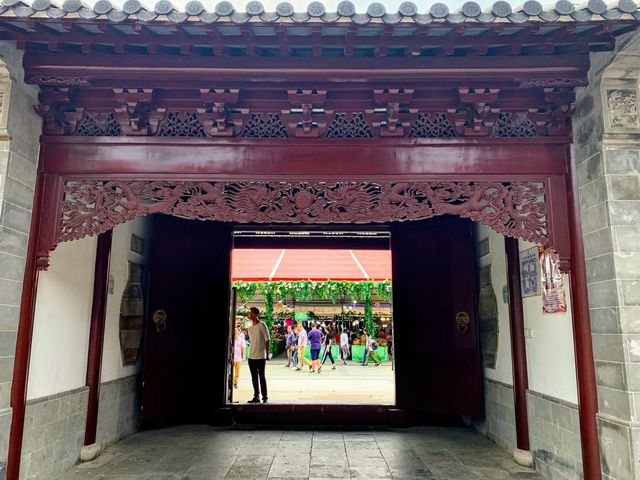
119 410
499 420
54 434
607 154
20 129
554 435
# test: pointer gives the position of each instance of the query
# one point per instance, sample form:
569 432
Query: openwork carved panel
98 125
181 124
345 125
516 125
268 125
432 126
511 208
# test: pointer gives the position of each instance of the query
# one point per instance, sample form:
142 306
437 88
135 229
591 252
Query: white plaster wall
550 353
63 312
62 317
503 371
112 367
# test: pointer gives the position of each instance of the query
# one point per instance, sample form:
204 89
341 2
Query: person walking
302 343
290 345
294 347
258 355
369 347
344 347
239 348
315 341
328 342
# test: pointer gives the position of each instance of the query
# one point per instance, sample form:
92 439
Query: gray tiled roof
408 12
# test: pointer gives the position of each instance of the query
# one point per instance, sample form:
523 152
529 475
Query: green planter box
357 351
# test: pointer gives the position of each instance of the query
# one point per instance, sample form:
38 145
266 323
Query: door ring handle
462 322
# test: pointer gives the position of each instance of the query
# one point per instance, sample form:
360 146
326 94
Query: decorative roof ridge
225 12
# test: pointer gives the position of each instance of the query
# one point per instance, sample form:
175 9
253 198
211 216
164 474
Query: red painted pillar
585 365
23 337
96 333
518 348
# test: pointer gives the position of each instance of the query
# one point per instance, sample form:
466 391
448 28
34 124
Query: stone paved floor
347 384
207 453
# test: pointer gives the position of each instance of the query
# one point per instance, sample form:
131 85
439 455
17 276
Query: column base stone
90 452
523 458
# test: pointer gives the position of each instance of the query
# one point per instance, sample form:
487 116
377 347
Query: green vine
302 290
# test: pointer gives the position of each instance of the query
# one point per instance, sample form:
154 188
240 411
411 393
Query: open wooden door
434 307
186 332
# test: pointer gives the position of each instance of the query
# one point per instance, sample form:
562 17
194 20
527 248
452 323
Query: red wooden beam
369 159
96 333
183 71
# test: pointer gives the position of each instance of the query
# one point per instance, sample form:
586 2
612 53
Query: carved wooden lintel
516 209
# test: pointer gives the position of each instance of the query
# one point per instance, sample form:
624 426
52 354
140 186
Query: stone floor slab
207 453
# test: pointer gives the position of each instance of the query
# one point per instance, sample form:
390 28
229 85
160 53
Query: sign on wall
553 296
530 272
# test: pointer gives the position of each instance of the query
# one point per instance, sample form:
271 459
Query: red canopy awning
251 264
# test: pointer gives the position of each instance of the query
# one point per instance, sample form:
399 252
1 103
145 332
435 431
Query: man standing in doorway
258 354
302 342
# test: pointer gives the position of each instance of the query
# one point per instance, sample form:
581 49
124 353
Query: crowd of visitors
297 339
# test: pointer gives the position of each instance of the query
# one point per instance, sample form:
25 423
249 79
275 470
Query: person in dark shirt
328 341
315 342
290 345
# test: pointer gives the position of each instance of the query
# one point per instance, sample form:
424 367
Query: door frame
544 160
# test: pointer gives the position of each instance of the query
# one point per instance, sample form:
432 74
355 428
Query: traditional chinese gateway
523 120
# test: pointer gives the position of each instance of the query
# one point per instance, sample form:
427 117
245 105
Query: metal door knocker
160 320
462 322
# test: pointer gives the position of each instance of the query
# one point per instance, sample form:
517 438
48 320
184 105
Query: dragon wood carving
514 209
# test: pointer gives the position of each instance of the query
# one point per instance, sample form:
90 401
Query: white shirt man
344 347
258 355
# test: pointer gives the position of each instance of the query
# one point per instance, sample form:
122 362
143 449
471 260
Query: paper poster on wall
553 296
530 272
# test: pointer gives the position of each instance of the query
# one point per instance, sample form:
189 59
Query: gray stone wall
554 436
119 409
20 129
499 415
55 426
607 152
53 435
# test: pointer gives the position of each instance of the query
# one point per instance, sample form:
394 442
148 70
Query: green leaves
302 290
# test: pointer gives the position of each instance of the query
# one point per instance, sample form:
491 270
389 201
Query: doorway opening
325 297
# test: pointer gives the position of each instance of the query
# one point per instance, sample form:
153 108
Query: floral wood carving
623 109
98 125
511 208
268 125
517 125
181 124
64 81
345 125
432 126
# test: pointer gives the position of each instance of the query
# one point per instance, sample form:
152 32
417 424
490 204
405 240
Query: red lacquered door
187 323
434 307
